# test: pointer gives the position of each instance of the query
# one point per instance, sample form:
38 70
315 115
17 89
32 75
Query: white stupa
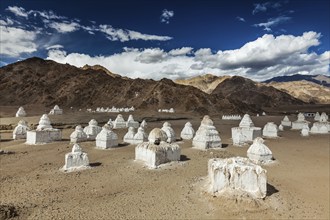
259 152
131 123
20 112
106 138
20 130
270 130
92 129
144 124
317 116
322 126
169 132
56 111
140 136
286 121
300 122
187 132
119 122
44 133
246 132
156 151
280 127
237 176
305 130
76 160
207 136
44 123
78 135
129 136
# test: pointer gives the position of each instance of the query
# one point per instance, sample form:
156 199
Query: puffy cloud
266 57
181 51
18 11
6 22
64 27
273 22
115 34
15 41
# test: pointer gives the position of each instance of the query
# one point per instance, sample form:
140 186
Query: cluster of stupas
207 136
171 110
246 132
56 111
20 112
44 133
113 109
231 117
300 122
133 137
321 126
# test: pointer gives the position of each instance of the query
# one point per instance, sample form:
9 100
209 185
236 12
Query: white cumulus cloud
263 58
16 41
18 11
64 27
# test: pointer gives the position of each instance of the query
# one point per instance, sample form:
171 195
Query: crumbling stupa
106 138
237 175
78 135
76 160
169 132
119 122
20 112
207 136
246 132
156 151
44 133
259 152
20 130
305 131
56 111
270 130
92 129
187 132
317 116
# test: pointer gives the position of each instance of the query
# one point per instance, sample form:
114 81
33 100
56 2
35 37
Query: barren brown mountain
45 82
207 83
245 92
305 90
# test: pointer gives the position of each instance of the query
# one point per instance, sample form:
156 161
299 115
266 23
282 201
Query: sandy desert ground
117 187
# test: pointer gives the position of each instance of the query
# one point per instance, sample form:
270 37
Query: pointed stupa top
76 148
246 122
144 124
286 118
130 118
56 107
44 122
93 122
157 134
207 121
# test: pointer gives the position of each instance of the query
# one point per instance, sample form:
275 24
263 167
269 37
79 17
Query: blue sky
172 39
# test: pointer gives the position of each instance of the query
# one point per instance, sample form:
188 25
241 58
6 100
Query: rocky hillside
318 79
305 90
45 82
207 83
247 93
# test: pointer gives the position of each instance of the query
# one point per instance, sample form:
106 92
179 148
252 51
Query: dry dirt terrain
117 187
